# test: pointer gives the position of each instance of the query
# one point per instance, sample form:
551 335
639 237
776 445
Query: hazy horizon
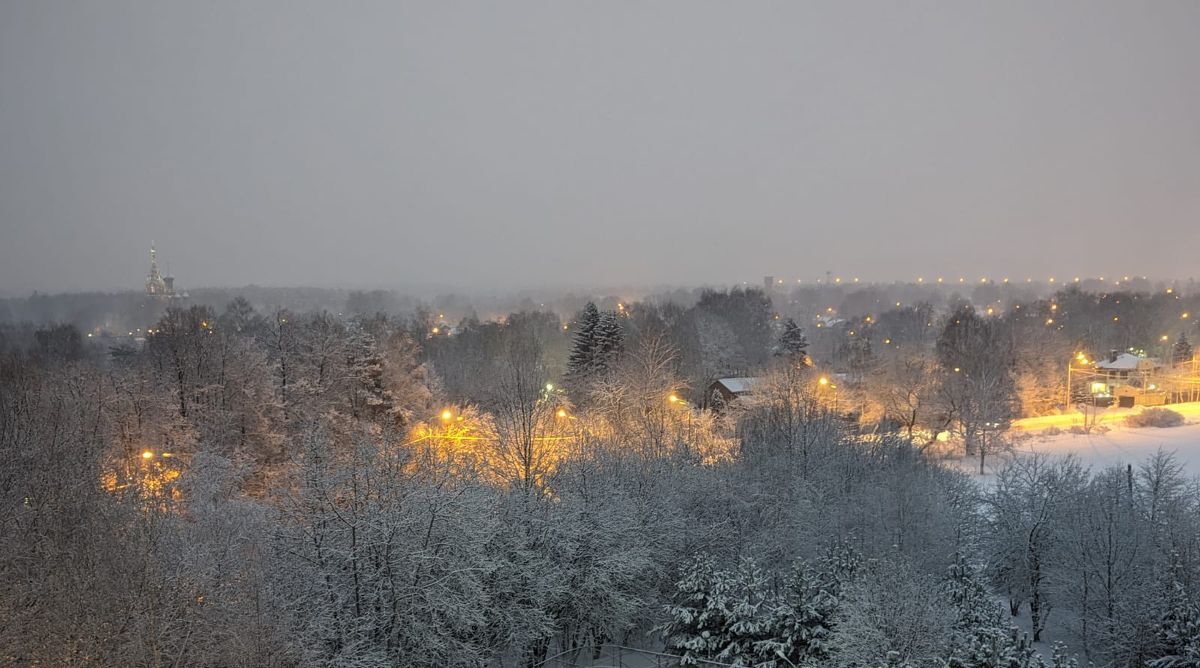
540 144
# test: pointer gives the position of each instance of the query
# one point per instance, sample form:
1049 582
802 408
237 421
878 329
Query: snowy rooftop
739 385
1126 362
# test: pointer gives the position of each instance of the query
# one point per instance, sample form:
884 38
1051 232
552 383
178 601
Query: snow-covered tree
1178 631
1009 649
610 343
891 607
699 615
1182 350
1026 510
801 620
976 355
792 342
582 360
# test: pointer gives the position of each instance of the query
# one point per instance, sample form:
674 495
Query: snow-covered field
1121 445
1112 443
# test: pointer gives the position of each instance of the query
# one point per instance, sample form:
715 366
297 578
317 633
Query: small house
1128 377
725 390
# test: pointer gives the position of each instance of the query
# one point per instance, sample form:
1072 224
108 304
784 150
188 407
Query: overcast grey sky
501 144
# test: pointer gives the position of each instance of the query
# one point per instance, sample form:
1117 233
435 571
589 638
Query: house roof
1125 362
738 385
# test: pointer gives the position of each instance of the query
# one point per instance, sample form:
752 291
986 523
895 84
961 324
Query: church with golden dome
157 285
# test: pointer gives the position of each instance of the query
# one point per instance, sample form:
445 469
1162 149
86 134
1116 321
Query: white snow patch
1122 445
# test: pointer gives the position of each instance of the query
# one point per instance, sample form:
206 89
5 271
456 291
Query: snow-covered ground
1108 417
1113 442
1121 445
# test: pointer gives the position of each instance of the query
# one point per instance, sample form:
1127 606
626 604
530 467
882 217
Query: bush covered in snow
1155 417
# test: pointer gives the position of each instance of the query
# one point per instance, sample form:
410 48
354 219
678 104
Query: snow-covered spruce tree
839 566
736 618
793 345
610 342
981 638
583 350
750 622
366 396
1008 650
699 614
1179 631
965 590
801 620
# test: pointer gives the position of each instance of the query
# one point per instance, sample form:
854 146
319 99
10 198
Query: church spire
156 285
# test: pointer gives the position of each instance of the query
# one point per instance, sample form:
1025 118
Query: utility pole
1067 402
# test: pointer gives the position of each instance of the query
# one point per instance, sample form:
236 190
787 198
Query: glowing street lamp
823 381
447 415
147 454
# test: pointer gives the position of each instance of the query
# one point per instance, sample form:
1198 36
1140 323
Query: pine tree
967 592
860 356
978 617
792 342
840 565
368 397
802 622
582 359
750 625
1011 649
1179 631
981 639
609 342
700 615
1182 352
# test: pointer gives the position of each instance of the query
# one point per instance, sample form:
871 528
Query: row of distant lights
990 311
921 279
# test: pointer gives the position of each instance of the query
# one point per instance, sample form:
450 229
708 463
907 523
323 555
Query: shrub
1081 430
1155 417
